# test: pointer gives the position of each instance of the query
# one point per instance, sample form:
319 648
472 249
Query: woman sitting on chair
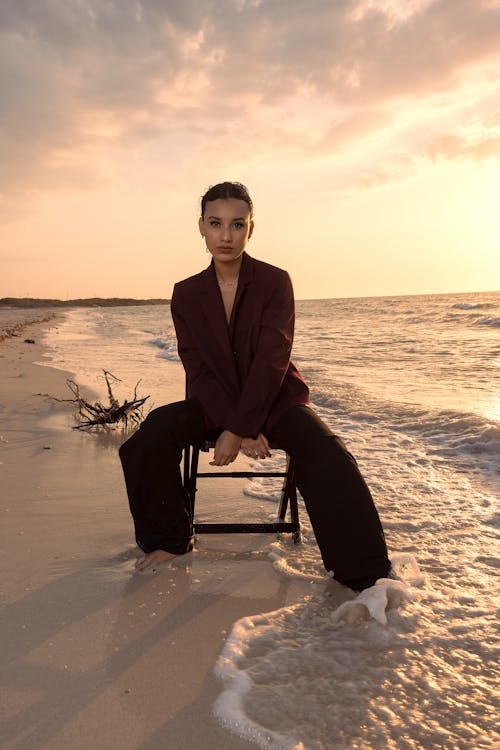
234 323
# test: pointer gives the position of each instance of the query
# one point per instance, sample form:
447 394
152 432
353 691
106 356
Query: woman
234 323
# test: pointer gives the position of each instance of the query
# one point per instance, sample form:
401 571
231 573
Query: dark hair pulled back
226 190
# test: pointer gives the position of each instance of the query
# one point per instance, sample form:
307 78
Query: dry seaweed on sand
97 414
14 329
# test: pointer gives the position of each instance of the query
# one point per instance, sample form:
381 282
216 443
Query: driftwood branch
98 414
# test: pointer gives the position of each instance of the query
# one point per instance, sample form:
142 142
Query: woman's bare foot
151 559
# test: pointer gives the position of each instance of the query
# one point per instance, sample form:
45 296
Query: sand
94 654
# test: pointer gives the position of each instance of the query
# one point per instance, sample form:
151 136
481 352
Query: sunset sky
367 131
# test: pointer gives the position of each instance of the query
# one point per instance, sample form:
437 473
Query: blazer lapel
213 308
244 279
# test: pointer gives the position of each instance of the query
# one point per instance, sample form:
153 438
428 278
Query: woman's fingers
226 448
265 442
256 447
262 446
222 460
256 454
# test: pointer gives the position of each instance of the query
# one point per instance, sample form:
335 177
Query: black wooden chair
288 496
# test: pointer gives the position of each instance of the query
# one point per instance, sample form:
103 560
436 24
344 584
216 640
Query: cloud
479 141
349 127
82 79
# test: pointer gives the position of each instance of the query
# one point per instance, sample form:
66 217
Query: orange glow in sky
367 132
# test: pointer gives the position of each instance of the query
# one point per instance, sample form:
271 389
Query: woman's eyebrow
237 218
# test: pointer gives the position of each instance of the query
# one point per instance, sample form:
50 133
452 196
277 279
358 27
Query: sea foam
282 669
385 594
167 346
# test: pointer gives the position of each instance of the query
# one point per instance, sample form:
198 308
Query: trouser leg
151 460
343 516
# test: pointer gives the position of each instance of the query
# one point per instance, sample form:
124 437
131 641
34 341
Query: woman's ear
250 231
201 227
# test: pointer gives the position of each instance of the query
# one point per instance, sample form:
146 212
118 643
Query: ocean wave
484 440
469 441
473 305
459 429
167 346
467 438
342 398
494 322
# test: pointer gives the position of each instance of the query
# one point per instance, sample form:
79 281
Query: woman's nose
226 234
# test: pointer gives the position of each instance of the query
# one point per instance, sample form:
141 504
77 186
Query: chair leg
285 492
289 495
294 514
187 462
193 475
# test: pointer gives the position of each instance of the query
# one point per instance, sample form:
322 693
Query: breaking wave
494 322
473 306
167 346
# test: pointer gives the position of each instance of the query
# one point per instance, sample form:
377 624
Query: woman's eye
238 225
214 223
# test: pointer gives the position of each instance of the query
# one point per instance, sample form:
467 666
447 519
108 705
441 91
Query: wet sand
94 654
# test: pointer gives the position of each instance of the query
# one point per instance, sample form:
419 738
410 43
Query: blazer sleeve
202 383
270 362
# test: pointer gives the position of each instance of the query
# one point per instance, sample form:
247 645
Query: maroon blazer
240 373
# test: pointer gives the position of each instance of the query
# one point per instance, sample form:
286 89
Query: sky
367 131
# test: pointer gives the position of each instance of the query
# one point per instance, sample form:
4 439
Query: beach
324 178
247 641
95 655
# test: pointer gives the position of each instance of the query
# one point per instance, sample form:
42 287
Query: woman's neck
228 273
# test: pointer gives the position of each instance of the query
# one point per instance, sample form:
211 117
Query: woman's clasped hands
229 445
256 447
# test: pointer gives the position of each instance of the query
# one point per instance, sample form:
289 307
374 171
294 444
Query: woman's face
226 227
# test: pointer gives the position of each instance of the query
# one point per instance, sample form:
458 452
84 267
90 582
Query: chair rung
241 474
287 503
244 528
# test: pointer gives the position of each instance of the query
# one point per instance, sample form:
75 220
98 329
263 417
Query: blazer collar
211 285
213 306
245 277
246 271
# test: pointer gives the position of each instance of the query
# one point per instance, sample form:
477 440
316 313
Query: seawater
412 385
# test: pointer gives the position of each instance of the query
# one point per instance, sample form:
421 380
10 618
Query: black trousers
342 513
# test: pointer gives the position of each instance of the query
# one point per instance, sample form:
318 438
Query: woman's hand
256 447
226 448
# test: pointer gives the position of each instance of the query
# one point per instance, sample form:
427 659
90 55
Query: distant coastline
31 302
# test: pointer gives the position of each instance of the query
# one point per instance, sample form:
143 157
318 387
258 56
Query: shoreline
15 326
90 647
